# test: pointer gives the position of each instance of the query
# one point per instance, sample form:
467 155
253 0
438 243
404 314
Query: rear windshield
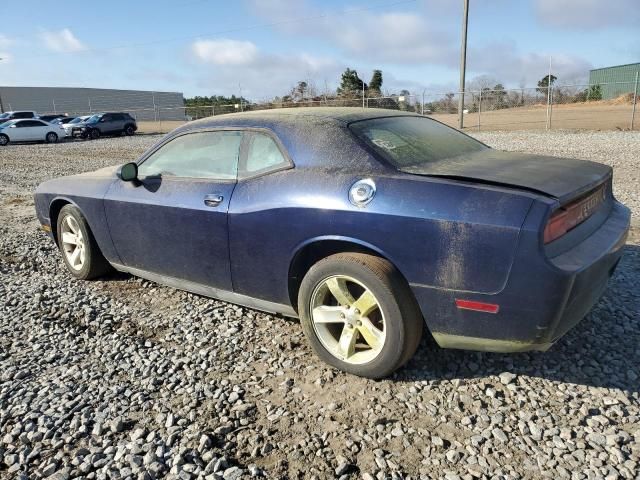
411 141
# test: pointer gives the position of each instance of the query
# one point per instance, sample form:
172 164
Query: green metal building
615 81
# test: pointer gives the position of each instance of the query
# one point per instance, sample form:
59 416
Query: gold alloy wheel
347 319
73 242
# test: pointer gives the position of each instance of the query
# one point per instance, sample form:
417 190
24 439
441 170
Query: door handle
213 200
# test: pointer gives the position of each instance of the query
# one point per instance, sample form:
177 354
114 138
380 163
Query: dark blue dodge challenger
367 224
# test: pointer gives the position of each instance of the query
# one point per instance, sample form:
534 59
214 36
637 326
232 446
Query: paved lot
123 378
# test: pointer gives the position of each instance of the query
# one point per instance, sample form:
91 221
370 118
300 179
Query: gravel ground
124 378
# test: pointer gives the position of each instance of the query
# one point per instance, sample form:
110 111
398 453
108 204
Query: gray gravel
123 378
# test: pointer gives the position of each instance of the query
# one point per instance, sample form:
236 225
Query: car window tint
263 154
412 141
200 155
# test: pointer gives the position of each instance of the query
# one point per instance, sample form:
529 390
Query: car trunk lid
562 178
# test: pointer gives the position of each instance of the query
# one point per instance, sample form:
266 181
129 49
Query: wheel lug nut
342 316
356 311
359 323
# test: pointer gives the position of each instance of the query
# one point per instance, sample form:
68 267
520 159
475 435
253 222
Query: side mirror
13 126
128 172
102 120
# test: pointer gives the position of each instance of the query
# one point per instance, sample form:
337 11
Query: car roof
344 115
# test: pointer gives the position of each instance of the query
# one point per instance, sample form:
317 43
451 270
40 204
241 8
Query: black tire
95 264
4 140
129 130
94 134
51 137
403 320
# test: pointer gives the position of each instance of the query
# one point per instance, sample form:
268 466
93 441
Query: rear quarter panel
438 234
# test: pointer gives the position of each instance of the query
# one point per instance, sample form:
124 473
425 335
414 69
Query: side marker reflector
477 306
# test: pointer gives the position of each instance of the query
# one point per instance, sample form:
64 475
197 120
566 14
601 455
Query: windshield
93 119
7 124
4 116
78 120
411 141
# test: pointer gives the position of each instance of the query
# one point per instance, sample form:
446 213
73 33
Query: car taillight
556 227
573 214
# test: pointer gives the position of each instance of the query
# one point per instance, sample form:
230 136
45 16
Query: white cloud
396 37
62 41
587 14
5 42
225 52
226 63
508 65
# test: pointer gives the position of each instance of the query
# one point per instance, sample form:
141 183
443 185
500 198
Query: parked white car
68 127
30 130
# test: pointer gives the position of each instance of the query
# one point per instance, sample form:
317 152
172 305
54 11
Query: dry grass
597 115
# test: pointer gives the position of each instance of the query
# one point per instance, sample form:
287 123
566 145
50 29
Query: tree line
481 92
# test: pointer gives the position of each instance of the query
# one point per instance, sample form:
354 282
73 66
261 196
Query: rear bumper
541 301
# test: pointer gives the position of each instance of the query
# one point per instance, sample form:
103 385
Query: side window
263 155
107 118
196 155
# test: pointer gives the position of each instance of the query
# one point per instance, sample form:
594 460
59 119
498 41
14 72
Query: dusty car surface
367 224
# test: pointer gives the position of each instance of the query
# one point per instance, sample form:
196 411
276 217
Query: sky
262 48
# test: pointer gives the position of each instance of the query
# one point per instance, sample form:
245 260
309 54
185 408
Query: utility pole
463 62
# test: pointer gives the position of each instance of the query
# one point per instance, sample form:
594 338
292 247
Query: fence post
89 98
422 108
155 112
635 98
479 108
54 107
213 110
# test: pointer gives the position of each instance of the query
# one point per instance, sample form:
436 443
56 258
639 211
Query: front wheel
78 246
51 137
94 134
4 140
359 315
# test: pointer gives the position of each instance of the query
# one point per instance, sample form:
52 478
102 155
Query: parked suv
110 123
6 116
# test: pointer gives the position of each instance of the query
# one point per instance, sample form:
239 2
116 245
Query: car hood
561 178
100 173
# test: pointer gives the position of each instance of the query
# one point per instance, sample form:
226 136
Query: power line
223 32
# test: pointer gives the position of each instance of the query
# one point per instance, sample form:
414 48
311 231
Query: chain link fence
533 108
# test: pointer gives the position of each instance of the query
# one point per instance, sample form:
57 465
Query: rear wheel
129 130
4 140
52 137
78 246
359 314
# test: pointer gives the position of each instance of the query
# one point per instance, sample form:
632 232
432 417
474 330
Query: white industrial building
141 104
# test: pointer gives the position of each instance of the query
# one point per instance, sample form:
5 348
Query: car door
173 221
38 130
117 124
105 124
21 131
